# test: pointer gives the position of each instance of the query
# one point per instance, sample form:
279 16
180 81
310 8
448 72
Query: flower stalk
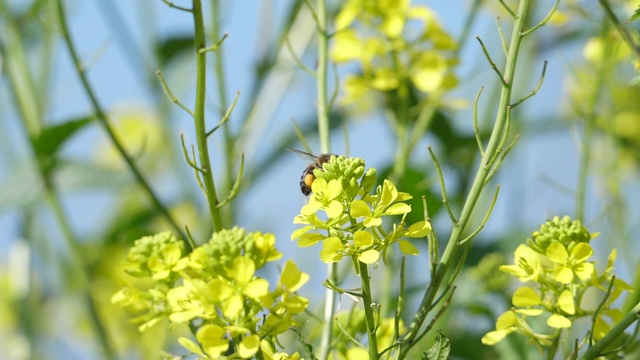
199 116
453 247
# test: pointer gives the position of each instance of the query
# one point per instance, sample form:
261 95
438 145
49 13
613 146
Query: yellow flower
527 264
568 264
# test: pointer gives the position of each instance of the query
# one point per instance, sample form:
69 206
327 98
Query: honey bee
308 177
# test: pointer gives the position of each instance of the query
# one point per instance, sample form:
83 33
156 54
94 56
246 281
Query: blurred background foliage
397 88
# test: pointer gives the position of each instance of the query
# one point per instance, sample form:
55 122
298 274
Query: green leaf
53 137
172 46
636 15
440 349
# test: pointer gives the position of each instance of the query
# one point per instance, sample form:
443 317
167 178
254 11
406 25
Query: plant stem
368 310
589 127
329 304
104 121
475 191
325 147
595 350
83 272
229 141
199 118
323 115
23 88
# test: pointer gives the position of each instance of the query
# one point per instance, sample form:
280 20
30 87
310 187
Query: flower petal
557 253
362 238
558 321
359 208
565 302
525 297
581 252
369 256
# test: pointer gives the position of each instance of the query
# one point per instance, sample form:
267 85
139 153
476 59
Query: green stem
555 341
22 86
323 59
587 135
229 141
325 147
327 326
402 124
83 274
368 310
595 350
199 118
624 33
102 117
451 250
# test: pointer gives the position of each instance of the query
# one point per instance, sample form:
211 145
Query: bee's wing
303 154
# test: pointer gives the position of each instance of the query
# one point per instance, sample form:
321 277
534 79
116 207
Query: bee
308 177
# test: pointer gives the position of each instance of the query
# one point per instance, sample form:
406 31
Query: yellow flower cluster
393 43
216 290
555 262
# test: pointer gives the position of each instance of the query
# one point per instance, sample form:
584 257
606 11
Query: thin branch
476 127
297 59
314 14
351 338
192 163
400 306
624 33
189 237
535 90
336 87
167 91
177 6
613 334
236 185
503 40
437 316
544 21
226 116
485 219
493 170
300 136
104 121
502 141
215 46
513 14
594 318
443 188
490 60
